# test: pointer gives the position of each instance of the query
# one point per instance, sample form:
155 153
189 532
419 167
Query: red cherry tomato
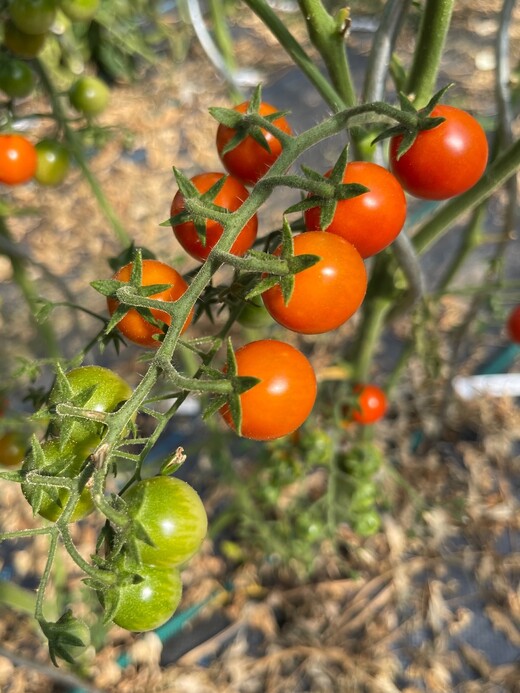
513 325
230 197
18 159
372 220
285 395
325 295
444 161
249 161
371 404
133 325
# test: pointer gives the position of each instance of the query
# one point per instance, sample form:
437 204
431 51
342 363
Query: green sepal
213 406
243 383
61 637
227 116
106 287
127 255
435 100
263 285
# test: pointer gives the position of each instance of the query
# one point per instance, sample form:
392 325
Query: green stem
75 146
328 36
46 575
471 240
429 48
372 324
17 597
280 31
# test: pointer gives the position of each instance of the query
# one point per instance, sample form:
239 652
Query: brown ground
429 604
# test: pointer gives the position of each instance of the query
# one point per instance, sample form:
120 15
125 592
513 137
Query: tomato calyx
339 190
249 123
421 120
199 207
239 385
68 637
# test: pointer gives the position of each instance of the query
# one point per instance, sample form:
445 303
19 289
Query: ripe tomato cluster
27 24
324 295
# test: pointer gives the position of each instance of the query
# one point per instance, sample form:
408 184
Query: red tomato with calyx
18 159
445 161
372 220
371 404
135 326
285 395
513 325
325 295
249 161
230 198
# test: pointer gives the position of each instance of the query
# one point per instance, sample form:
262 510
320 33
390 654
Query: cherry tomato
285 395
367 523
513 325
325 295
22 44
53 162
79 10
172 514
445 161
16 78
133 325
95 388
65 461
89 95
230 197
18 159
371 404
148 600
372 220
249 161
12 449
33 16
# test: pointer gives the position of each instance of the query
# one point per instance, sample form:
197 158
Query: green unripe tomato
53 162
367 523
95 388
33 16
79 10
254 314
147 600
16 78
22 44
65 461
89 95
172 514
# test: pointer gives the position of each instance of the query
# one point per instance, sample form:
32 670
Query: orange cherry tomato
372 220
230 197
325 295
135 326
249 161
18 159
285 395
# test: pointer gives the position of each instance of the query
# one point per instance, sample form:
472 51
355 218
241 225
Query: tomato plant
134 326
285 395
513 325
372 220
254 314
16 78
173 517
56 460
248 160
18 159
33 16
94 388
325 295
370 404
230 197
89 95
79 10
53 162
444 161
12 449
143 600
22 44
